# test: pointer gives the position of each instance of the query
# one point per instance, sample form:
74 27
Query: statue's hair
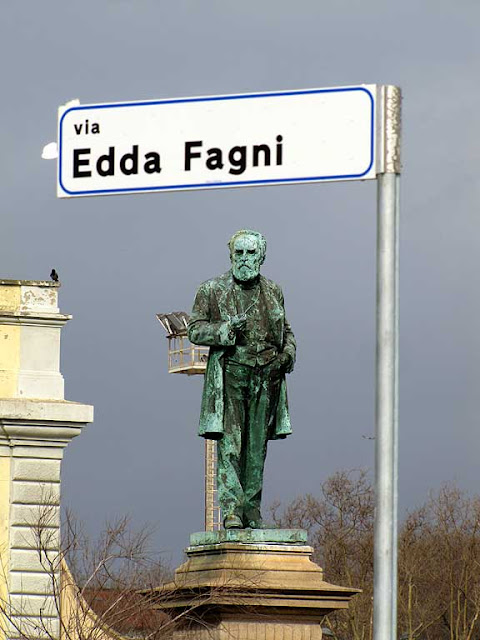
262 243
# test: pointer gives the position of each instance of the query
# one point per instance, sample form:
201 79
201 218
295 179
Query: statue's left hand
279 365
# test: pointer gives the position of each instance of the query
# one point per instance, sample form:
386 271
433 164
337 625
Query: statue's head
247 253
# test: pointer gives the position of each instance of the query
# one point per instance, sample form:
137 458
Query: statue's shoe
233 522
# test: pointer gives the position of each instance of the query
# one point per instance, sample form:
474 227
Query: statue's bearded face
246 258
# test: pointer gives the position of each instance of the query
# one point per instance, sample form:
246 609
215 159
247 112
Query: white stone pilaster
33 449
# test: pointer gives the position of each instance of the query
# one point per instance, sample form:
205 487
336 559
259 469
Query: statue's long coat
214 304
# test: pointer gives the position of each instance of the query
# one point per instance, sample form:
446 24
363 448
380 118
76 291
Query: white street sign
240 140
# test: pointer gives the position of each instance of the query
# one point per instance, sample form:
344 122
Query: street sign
313 135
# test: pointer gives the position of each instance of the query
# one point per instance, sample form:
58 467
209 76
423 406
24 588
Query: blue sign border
217 185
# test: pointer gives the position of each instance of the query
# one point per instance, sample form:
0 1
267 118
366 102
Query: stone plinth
248 536
263 589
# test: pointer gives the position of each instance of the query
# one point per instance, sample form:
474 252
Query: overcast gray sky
121 259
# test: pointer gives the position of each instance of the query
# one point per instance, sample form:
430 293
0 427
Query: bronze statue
241 317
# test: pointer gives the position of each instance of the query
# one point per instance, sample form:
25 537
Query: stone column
36 424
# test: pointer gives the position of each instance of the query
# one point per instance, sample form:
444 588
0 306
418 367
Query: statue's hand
238 322
279 365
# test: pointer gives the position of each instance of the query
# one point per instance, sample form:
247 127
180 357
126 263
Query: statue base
250 584
248 536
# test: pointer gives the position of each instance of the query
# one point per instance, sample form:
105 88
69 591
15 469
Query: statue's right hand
238 322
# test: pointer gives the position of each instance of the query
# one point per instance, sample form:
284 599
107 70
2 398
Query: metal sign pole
385 534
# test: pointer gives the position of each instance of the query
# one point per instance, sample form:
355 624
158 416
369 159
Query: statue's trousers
251 398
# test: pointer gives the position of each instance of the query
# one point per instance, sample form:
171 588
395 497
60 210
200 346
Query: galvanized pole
385 543
395 420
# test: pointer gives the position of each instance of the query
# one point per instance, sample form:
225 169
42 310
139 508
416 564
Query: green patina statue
241 317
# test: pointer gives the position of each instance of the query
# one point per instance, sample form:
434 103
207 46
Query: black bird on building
54 275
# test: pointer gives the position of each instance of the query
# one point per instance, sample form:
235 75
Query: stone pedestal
36 424
251 585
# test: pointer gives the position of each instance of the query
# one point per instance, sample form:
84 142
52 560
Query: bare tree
111 587
93 586
439 568
340 527
108 574
438 559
